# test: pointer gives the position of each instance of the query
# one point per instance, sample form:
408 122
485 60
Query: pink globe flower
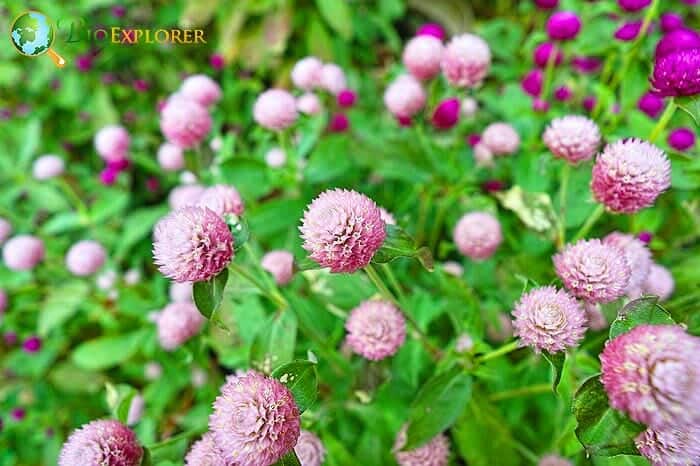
453 268
573 138
23 252
628 31
501 138
652 373
483 155
180 292
651 104
339 123
309 104
431 29
633 5
671 21
464 344
85 258
135 410
32 344
554 460
186 195
333 78
309 449
192 244
469 106
404 97
376 329
5 229
306 73
548 319
659 282
544 51
202 89
217 62
387 217
112 143
676 75
170 157
47 166
680 39
563 93
153 371
184 122
466 61
102 442
593 271
204 452
275 109
595 317
434 453
478 235
532 82
346 98
255 420
177 323
540 105
422 56
681 139
275 158
280 264
222 199
563 25
637 255
342 230
671 446
446 114
629 175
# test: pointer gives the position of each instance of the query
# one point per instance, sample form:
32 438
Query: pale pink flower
170 157
47 166
204 452
671 446
306 73
466 60
478 235
202 89
483 155
554 460
500 138
275 157
275 109
422 56
376 329
453 268
309 449
469 106
309 104
333 78
135 410
85 258
102 442
659 282
596 319
177 323
434 453
404 97
184 122
222 199
573 138
23 252
112 143
387 216
180 292
637 254
186 195
280 264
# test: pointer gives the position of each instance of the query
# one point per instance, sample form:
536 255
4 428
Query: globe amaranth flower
202 89
101 442
422 56
23 252
651 104
501 138
593 271
453 268
387 217
563 93
170 157
586 65
532 83
376 329
275 157
464 343
152 371
637 255
342 230
680 39
404 97
652 373
446 114
548 319
483 155
192 244
466 60
670 21
633 5
434 453
204 452
135 410
255 420
629 175
346 98
563 25
180 292
431 29
677 74
339 123
544 52
5 229
540 105
309 449
85 258
280 264
184 196
184 122
333 78
628 31
546 4
32 344
177 323
222 199
681 139
595 317
112 142
671 446
469 106
306 73
553 460
47 166
478 235
309 104
132 276
659 282
275 109
573 138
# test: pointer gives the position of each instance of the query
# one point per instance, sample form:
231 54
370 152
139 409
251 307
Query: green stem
590 221
274 297
75 199
503 350
176 438
394 282
663 121
525 451
563 192
549 74
522 391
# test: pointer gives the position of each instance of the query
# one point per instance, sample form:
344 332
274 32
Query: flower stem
176 438
563 192
549 74
663 121
590 221
272 296
503 350
394 282
75 199
522 391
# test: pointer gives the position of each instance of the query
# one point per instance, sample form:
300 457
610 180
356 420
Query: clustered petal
306 73
501 138
309 449
280 264
466 60
112 143
204 452
275 109
376 329
573 138
85 258
47 166
677 74
659 282
637 254
434 453
23 252
478 235
102 442
177 323
404 97
184 122
202 89
422 56
222 199
671 446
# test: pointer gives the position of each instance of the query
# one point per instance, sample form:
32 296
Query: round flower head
501 138
633 5
309 449
671 21
177 323
346 98
434 453
629 175
222 199
376 329
593 271
563 25
532 83
478 235
453 268
202 89
387 217
186 195
309 104
132 277
659 282
628 31
469 106
446 114
422 56
255 420
204 452
135 410
192 244
280 264
112 143
651 104
170 157
180 292
184 122
671 446
47 166
554 460
586 65
85 258
483 155
275 109
431 29
677 74
339 123
306 73
153 371
275 158
652 373
23 252
342 230
5 229
680 39
573 138
546 4
102 442
333 78
596 319
464 343
404 97
681 139
466 60
549 320
637 255
544 52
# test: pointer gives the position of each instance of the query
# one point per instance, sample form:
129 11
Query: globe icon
32 33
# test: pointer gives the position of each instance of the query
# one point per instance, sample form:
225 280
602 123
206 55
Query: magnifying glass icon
32 33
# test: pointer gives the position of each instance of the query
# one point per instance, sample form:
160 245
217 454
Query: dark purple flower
562 93
10 338
339 123
563 25
5 114
18 414
140 85
152 184
32 344
346 98
532 82
681 139
108 78
545 50
83 62
680 39
589 103
671 21
473 139
217 61
546 4
431 29
677 74
118 165
492 186
691 2
628 31
540 105
404 121
118 11
22 110
633 5
55 84
108 176
645 237
446 114
651 104
586 65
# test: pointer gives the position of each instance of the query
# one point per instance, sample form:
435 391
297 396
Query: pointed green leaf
556 360
119 399
274 343
208 294
641 311
301 379
104 352
399 244
290 459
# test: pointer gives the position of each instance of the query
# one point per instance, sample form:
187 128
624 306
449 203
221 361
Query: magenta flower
628 31
177 323
593 271
637 255
309 449
589 103
184 122
280 264
681 139
217 62
192 244
202 89
677 74
431 29
501 138
651 104
186 195
103 442
546 4
422 56
446 114
544 51
532 82
652 373
47 166
540 105
478 235
170 157
346 98
671 446
222 199
204 452
466 61
339 123
308 104
633 5
548 319
342 230
659 282
629 175
85 258
275 109
671 21
434 453
586 65
255 420
112 143
554 460
563 93
563 25
333 78
3 302
675 41
32 344
404 97
306 73
23 252
376 329
573 138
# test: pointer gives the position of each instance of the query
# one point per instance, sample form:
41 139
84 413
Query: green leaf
60 305
147 459
290 459
119 399
301 379
601 429
399 244
208 294
104 352
556 360
137 226
61 223
534 209
437 406
274 343
338 15
239 230
67 377
691 106
641 311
